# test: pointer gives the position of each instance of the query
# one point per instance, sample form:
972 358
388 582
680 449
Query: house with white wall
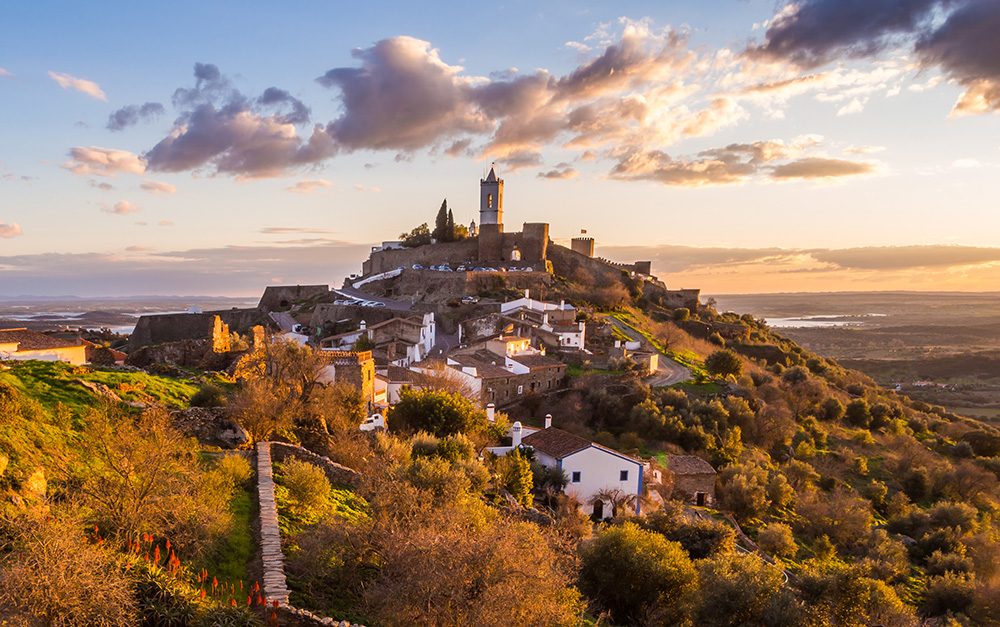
588 466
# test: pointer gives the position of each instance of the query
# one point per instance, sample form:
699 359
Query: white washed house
588 466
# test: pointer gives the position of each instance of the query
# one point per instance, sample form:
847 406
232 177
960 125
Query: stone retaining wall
275 587
337 474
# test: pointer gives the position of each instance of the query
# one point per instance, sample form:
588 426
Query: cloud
165 223
365 190
16 177
9 230
908 257
286 230
403 97
819 167
4 72
220 128
121 208
104 186
158 187
307 187
967 49
734 163
561 171
138 249
103 162
957 36
224 270
741 270
863 150
83 86
130 115
854 106
811 33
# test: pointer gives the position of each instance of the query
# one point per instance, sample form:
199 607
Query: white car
373 422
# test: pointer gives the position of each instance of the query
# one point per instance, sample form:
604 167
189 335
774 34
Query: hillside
878 509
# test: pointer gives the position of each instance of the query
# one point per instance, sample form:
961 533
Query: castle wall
534 241
491 243
465 251
277 297
213 326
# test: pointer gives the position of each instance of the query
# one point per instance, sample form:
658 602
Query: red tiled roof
32 340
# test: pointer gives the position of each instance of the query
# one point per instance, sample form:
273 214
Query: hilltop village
481 427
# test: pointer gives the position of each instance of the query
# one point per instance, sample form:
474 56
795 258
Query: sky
744 146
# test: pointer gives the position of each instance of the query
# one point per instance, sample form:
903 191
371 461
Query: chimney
618 343
364 325
526 294
491 412
562 304
548 421
515 433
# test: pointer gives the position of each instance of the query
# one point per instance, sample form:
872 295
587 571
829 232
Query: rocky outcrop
211 425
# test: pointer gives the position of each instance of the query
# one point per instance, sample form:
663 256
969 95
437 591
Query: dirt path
669 371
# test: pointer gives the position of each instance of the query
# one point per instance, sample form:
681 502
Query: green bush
209 395
307 485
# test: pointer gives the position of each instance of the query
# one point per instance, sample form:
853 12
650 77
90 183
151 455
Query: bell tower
491 199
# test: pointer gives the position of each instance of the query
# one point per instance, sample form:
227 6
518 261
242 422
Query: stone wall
337 474
465 251
212 325
433 286
275 586
277 297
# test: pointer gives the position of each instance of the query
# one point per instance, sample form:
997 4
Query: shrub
950 592
777 539
307 485
724 363
209 395
658 572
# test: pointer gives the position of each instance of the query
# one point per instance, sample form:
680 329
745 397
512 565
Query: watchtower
491 199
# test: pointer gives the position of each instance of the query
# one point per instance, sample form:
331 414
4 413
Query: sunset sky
743 146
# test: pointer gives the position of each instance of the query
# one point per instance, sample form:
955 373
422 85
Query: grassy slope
52 382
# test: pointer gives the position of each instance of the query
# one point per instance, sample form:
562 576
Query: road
395 305
669 371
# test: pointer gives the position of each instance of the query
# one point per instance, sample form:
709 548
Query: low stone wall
273 559
275 586
336 473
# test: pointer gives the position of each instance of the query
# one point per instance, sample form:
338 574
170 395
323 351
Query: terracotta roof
536 361
32 340
689 465
556 443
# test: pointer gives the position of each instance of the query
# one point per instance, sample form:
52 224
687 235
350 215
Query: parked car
470 300
417 266
373 422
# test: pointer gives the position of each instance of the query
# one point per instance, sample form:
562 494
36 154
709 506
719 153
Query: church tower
491 199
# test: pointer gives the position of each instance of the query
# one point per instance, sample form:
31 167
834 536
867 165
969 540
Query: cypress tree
441 223
451 227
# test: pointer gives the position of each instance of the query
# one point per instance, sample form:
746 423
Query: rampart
277 297
465 251
435 286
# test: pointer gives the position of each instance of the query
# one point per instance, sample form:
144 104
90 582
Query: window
489 201
623 475
520 389
576 477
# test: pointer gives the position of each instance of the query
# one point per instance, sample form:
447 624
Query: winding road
669 371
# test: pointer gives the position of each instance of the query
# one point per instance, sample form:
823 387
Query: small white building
589 467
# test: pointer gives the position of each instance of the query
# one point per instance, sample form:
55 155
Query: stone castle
490 248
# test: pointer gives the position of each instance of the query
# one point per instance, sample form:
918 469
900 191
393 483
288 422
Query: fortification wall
277 297
465 251
213 326
434 286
